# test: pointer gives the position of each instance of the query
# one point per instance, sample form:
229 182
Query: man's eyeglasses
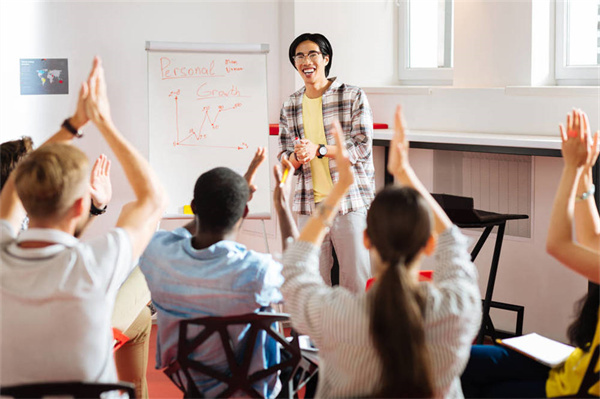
299 58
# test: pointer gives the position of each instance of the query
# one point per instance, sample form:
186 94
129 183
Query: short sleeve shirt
57 303
222 280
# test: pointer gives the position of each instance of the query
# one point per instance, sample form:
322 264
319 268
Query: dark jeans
498 372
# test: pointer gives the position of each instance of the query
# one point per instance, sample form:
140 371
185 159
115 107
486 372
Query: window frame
434 76
572 74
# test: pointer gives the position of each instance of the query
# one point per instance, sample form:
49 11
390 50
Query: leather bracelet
97 211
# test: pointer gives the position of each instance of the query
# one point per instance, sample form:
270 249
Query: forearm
561 217
63 135
587 221
287 225
407 177
294 160
316 227
140 176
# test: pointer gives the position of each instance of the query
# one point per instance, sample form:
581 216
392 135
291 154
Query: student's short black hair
319 40
220 197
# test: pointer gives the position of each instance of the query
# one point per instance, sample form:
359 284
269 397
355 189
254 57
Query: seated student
201 271
57 293
402 338
131 359
495 371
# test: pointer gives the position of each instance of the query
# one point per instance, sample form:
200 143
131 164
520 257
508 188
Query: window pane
583 22
430 33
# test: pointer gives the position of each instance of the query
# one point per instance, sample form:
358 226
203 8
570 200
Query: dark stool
462 213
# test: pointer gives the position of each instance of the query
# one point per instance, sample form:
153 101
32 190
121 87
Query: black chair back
239 359
75 389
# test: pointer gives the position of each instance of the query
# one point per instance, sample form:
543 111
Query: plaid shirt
349 105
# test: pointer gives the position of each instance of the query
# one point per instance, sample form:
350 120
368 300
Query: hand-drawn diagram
208 123
209 116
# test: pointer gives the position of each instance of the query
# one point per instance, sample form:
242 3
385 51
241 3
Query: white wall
117 32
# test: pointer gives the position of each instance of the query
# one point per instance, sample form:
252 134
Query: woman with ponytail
402 338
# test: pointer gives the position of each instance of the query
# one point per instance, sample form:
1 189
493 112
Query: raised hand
576 145
97 106
282 193
100 186
257 160
593 142
344 167
398 155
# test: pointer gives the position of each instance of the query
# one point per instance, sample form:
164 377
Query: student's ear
429 248
193 206
366 240
326 60
79 208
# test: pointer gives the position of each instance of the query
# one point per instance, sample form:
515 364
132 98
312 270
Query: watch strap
67 125
97 211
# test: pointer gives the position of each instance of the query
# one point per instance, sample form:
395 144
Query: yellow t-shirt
565 380
312 116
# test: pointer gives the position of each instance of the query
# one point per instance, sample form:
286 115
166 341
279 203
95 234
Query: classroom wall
117 31
364 37
500 47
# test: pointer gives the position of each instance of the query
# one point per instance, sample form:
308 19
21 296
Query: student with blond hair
57 293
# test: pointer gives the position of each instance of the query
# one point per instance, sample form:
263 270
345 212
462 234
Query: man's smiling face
312 65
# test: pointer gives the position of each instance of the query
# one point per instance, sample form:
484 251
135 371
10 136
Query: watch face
322 150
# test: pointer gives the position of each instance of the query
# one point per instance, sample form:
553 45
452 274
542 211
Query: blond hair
50 179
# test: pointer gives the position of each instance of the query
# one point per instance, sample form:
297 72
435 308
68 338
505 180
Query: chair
77 390
461 212
238 358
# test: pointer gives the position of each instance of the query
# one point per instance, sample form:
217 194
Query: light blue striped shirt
224 279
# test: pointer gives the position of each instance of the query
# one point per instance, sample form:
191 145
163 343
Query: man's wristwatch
322 151
67 125
97 211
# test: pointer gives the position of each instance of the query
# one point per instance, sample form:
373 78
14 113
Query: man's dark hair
220 196
12 152
319 40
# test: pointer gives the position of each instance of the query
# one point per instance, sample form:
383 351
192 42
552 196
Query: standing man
305 138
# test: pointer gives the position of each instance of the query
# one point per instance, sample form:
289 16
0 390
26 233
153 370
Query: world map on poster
44 76
49 76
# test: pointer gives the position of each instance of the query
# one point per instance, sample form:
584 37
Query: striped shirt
338 321
349 105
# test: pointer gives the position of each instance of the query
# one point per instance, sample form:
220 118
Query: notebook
541 349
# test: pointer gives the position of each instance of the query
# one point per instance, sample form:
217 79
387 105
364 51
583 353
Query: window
578 40
426 41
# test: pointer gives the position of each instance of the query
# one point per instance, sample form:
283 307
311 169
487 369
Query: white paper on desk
539 348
